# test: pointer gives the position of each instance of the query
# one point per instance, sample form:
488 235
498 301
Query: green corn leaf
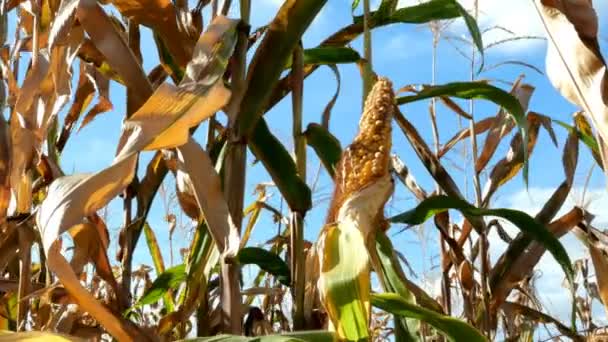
281 167
454 329
473 31
479 90
268 261
523 221
344 281
325 144
284 32
392 278
171 279
157 258
587 138
328 55
423 13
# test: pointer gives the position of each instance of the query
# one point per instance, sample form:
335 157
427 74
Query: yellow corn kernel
367 158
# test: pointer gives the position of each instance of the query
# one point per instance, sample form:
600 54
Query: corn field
238 206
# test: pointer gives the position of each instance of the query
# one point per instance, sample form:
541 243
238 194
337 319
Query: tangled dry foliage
58 283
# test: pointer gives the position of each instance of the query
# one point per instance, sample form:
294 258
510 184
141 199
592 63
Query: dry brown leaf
574 63
480 127
597 243
108 40
512 163
162 122
82 98
569 161
206 188
407 178
5 168
502 125
160 15
525 262
102 86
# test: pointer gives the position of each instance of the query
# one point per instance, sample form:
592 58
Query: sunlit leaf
328 55
267 261
171 279
279 163
454 329
521 220
325 144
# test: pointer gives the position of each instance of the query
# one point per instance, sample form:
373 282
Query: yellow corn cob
368 157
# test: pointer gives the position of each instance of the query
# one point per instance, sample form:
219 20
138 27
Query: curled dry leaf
574 63
597 243
502 125
362 187
162 122
513 162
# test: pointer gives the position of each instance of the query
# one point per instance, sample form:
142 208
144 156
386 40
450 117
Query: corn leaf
284 32
587 139
328 55
425 12
267 261
521 220
392 278
454 329
344 282
171 279
326 145
478 90
279 163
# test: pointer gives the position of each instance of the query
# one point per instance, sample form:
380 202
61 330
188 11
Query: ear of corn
363 185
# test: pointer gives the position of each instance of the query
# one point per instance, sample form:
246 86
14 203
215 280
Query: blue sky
403 53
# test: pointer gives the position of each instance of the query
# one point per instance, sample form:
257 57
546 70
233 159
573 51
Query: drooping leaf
537 316
279 163
406 177
480 127
417 14
284 32
521 220
393 279
328 55
588 139
325 144
453 328
478 90
162 122
506 168
161 16
502 125
111 44
574 62
171 279
267 261
473 31
523 254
